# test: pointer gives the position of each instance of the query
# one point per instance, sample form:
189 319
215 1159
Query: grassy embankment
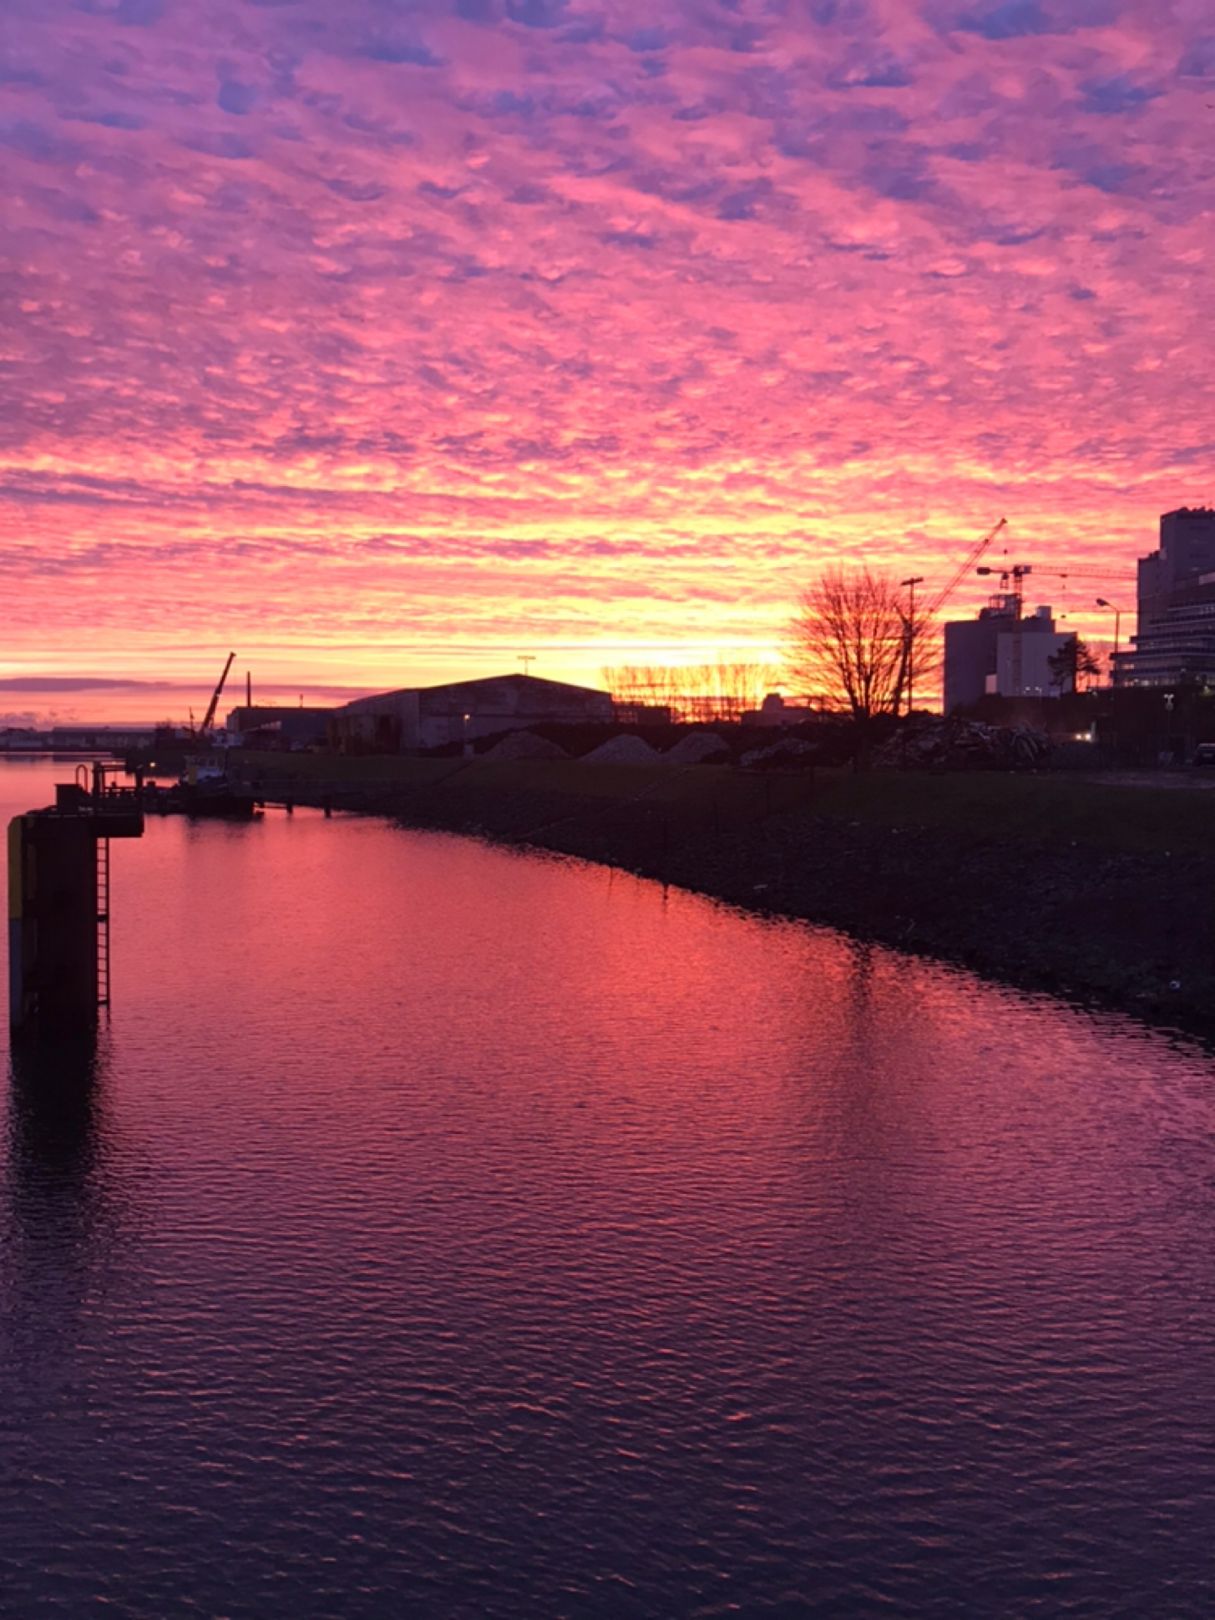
1052 881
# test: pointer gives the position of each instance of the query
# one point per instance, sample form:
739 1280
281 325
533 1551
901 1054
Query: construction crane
1012 575
1012 590
204 731
914 625
1012 586
1012 578
1085 573
1102 575
972 558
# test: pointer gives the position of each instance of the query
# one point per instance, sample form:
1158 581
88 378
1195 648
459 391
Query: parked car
1204 755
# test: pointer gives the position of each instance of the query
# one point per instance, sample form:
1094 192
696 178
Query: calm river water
449 1232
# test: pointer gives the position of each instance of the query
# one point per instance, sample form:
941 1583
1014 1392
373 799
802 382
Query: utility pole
1117 612
527 660
910 633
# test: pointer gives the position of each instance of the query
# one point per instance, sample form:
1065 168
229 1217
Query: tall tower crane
1102 576
1012 575
1012 583
1084 573
1012 589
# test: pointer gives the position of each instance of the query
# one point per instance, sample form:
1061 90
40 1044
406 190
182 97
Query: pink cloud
544 327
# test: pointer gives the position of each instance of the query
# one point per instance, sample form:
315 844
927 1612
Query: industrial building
1174 643
432 716
268 725
774 711
1001 652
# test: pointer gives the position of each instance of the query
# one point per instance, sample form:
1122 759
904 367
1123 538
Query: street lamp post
1117 612
909 637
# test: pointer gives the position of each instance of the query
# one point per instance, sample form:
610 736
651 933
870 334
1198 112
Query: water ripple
440 1231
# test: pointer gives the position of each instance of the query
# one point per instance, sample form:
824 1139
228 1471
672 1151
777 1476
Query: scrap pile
953 744
790 754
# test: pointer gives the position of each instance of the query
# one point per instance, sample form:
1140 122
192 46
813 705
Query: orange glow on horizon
386 350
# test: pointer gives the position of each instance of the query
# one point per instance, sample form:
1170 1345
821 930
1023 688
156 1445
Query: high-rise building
1174 641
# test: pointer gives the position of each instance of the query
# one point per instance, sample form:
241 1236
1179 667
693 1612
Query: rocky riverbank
1050 902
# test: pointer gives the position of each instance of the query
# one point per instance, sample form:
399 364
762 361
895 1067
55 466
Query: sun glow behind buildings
386 345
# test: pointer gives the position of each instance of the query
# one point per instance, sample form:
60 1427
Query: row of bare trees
693 692
853 645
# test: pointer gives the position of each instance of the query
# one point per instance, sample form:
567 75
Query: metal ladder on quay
103 922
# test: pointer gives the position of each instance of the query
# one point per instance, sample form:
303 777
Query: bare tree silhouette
854 642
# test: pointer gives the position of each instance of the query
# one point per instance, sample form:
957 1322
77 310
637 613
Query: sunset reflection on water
446 1230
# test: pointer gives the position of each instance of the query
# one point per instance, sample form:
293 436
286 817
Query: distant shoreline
61 753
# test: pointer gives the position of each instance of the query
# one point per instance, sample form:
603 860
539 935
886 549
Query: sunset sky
383 343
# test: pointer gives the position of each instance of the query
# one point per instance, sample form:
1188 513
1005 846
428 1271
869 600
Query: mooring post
52 886
58 918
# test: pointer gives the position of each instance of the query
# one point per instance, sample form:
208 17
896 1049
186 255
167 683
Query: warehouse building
431 716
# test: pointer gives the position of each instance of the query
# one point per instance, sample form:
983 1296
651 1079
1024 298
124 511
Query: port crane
204 731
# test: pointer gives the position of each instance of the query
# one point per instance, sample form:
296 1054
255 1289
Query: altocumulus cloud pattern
391 330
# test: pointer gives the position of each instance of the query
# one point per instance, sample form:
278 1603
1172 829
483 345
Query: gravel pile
623 750
697 748
525 745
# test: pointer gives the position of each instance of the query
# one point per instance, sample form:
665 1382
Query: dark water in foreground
448 1232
